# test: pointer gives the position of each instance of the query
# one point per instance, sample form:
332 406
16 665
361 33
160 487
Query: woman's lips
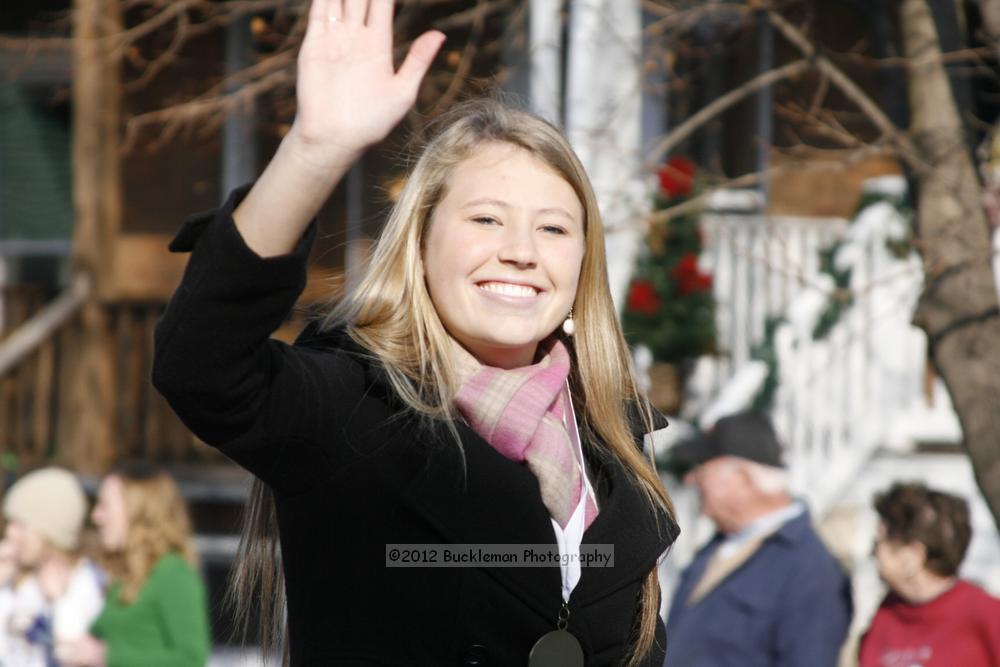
513 290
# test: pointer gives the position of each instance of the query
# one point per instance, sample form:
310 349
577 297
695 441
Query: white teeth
510 290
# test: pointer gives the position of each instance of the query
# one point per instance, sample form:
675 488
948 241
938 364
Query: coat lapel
497 501
719 568
638 533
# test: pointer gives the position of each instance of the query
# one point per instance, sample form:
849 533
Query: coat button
475 655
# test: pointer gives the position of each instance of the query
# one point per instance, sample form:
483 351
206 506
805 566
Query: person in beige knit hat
59 592
52 504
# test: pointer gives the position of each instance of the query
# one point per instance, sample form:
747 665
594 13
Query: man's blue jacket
788 605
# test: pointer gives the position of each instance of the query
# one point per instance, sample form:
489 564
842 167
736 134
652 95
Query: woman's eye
485 220
553 229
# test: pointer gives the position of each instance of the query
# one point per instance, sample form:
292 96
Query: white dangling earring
569 326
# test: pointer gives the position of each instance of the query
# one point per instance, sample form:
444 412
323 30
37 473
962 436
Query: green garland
767 353
841 299
838 303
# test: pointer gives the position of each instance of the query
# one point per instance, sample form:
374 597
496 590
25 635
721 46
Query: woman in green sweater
155 614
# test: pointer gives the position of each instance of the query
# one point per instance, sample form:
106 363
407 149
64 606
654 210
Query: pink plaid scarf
520 412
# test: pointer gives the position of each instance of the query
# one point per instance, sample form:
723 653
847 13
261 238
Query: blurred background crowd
136 599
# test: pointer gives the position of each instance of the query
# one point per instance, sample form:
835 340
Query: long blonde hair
391 314
158 524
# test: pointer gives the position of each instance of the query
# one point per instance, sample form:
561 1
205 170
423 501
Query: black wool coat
352 471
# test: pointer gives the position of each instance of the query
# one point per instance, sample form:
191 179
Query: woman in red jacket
930 618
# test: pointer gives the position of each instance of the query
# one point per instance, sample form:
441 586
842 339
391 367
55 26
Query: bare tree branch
717 106
170 13
208 113
153 68
819 122
465 64
471 16
850 89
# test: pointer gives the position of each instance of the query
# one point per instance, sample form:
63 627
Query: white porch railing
759 265
837 396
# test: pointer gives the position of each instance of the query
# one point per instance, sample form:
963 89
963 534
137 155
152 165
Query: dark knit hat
747 435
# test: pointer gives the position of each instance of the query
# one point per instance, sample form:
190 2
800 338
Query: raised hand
349 94
349 97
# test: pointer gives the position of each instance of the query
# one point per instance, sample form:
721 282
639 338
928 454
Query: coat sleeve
265 404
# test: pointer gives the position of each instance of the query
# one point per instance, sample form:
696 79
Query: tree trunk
88 438
958 308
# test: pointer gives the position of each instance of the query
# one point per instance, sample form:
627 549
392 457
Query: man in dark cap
765 591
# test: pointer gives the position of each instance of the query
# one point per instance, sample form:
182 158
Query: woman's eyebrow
502 204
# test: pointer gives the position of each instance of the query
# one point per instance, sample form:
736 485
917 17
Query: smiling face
502 254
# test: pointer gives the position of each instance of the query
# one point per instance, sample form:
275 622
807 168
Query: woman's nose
518 247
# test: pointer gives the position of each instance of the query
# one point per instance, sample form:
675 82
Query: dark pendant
556 649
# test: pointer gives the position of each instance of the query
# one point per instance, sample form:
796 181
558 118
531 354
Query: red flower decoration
689 277
677 177
642 298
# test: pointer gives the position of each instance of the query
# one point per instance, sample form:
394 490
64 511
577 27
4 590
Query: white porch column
239 145
545 47
603 113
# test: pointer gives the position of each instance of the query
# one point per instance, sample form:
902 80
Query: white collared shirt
570 538
769 523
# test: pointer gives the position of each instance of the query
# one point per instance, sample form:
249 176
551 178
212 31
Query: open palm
349 94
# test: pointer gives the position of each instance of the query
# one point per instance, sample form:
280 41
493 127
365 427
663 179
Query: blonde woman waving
473 391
